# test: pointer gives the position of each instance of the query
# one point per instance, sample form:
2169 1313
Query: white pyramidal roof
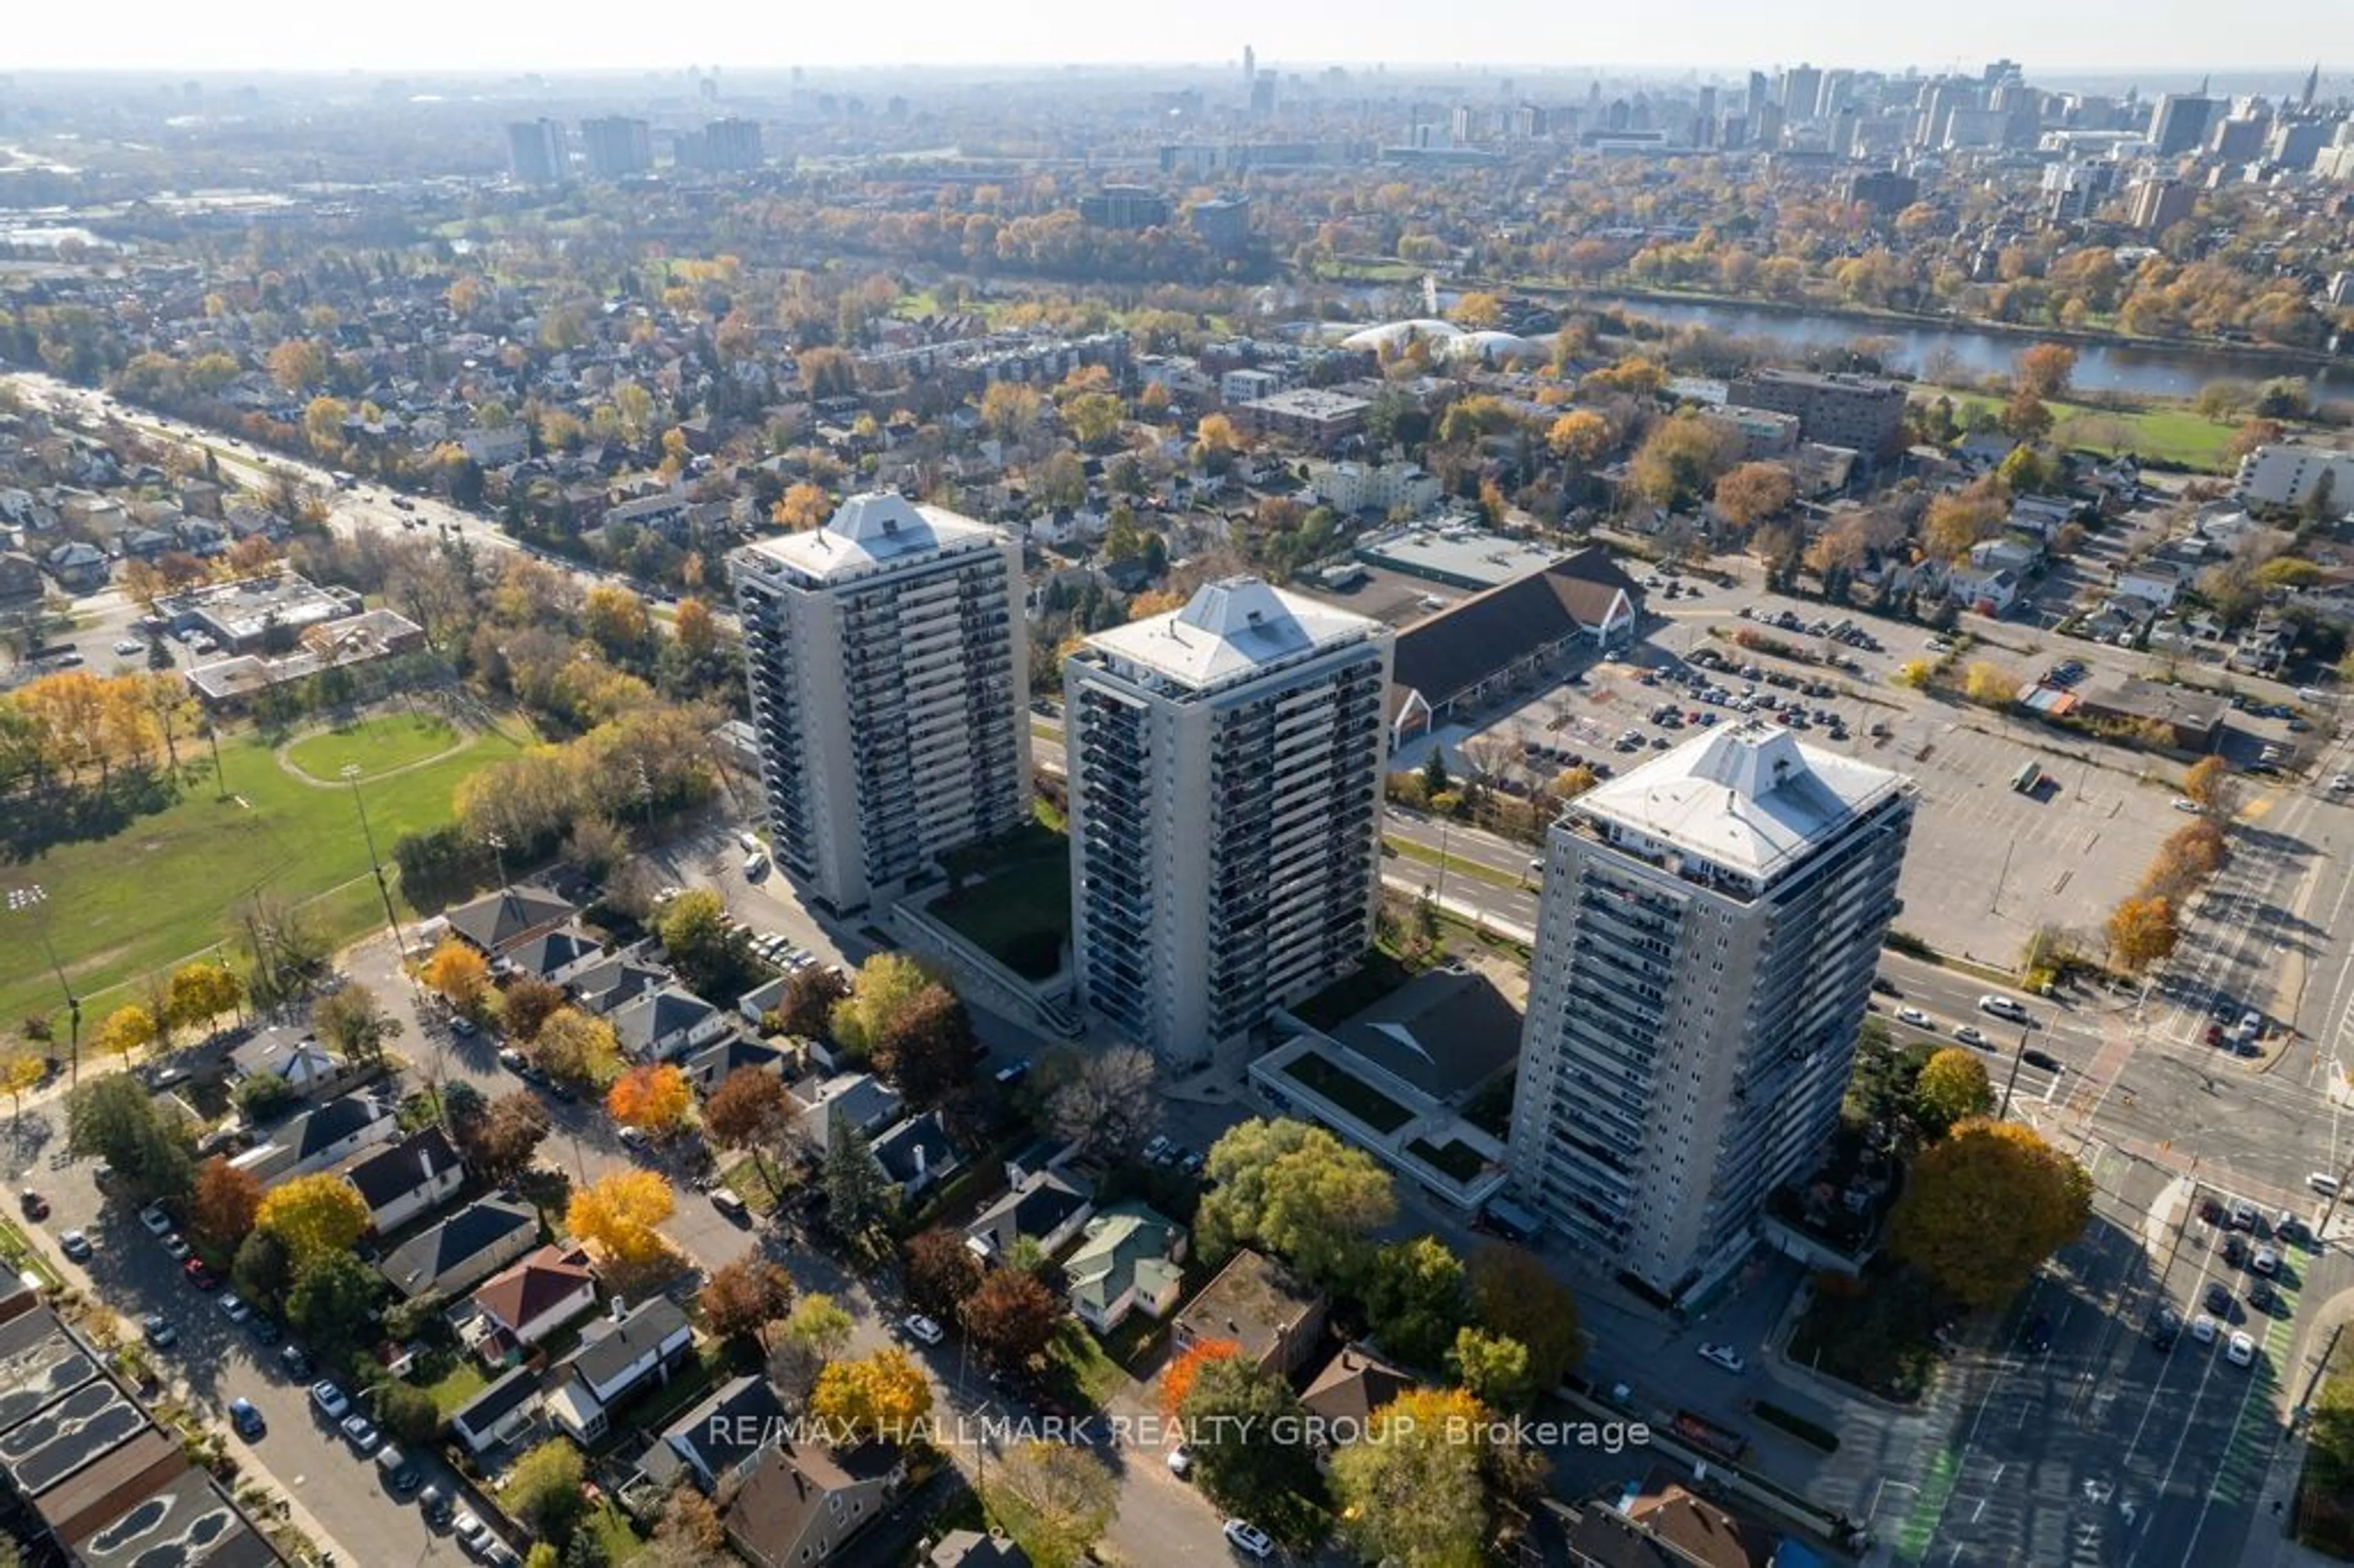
876 529
1745 797
1228 630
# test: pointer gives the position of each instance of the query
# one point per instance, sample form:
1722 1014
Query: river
2135 370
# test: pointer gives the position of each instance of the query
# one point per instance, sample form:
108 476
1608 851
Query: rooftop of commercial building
1746 798
878 529
1459 553
1230 629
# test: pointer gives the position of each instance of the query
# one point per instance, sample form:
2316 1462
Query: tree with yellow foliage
126 1030
885 1395
1986 1205
1411 1492
578 1047
615 619
314 1216
653 1098
2141 931
459 975
1991 685
1581 437
298 364
621 1215
802 508
1753 491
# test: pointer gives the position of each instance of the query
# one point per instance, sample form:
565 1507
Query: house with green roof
1129 1259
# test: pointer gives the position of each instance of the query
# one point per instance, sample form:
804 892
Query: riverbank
2285 361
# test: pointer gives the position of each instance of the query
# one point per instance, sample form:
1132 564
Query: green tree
141 1139
404 1411
709 953
857 1198
350 1021
1247 1440
1986 1206
333 1302
1493 1368
886 984
1297 1191
262 1271
578 1047
1952 1088
543 1491
1415 1298
1514 1295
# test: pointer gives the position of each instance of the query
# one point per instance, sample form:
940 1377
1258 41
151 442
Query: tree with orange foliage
225 1203
651 1098
1178 1381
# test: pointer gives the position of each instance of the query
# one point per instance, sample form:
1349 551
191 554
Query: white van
755 866
2323 1182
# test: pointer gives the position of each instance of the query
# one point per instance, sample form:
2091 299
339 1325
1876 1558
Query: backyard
1011 898
163 889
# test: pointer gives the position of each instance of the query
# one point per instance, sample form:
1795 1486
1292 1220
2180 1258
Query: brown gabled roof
1697 1526
535 1284
1352 1385
1458 648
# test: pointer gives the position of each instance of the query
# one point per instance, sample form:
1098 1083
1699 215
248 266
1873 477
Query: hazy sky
2048 36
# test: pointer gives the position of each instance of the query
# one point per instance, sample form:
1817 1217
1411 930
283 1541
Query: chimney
920 1161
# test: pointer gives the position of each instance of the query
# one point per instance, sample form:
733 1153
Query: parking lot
1989 864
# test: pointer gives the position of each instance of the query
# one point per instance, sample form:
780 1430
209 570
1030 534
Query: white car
1725 1356
1155 1149
157 1222
131 647
1180 1461
233 1307
748 841
2343 783
472 1533
921 1327
2003 1007
2241 1349
1250 1538
2188 807
1968 1035
2202 1328
330 1400
1914 1016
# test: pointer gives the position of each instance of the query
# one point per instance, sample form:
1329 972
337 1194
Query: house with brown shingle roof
538 1295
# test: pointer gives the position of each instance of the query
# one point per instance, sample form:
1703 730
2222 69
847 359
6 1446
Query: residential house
858 1102
1658 1523
77 567
800 1502
404 1180
20 577
325 1137
1989 590
303 1064
1352 1385
971 1549
536 1296
2157 583
709 1067
916 1154
498 1413
618 1357
1039 1155
557 956
1130 1260
764 998
1256 1303
467 1248
498 923
1048 1208
2042 515
615 980
665 1023
722 1437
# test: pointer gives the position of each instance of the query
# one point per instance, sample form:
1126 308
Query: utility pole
23 900
499 852
2017 1057
351 771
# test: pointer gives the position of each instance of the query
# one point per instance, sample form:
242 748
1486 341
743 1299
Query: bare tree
1108 1104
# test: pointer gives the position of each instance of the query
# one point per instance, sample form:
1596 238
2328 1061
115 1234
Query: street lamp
499 852
2017 1057
22 900
351 774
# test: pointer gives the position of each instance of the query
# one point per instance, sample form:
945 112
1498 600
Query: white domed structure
1493 347
1395 335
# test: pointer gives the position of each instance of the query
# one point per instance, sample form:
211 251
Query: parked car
75 1246
2165 1328
2265 1262
435 1505
470 1531
157 1222
296 1362
1156 1148
233 1307
35 1207
400 1477
922 1329
176 1248
159 1332
245 1420
2219 1298
1180 1461
331 1401
2202 1328
1725 1356
361 1433
2241 1349
1245 1537
199 1274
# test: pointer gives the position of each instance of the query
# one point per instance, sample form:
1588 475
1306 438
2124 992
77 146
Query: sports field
163 889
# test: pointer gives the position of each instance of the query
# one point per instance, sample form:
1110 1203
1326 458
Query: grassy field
2168 433
163 889
375 746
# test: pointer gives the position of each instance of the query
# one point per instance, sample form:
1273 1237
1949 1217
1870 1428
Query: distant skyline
2051 37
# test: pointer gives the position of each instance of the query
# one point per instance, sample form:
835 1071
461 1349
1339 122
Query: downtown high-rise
1705 947
1225 774
888 666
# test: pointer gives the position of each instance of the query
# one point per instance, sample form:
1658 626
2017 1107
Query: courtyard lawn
1019 909
165 887
376 745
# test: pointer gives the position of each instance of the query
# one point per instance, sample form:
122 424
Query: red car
199 1275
